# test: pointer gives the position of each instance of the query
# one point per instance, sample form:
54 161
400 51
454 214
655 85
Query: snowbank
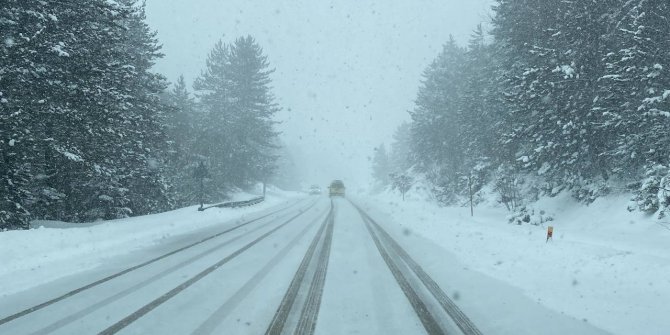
605 265
32 257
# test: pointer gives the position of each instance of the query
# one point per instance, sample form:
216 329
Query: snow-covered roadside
605 265
35 256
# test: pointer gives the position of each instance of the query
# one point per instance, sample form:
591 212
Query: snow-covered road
309 265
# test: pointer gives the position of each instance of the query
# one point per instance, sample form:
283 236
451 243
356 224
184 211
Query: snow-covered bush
532 216
507 187
588 191
652 194
402 183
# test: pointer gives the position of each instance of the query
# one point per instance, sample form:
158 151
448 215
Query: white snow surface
37 256
605 266
605 269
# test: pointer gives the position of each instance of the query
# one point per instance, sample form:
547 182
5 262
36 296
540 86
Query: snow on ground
605 265
36 256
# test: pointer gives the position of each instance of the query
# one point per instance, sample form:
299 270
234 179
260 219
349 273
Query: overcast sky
347 71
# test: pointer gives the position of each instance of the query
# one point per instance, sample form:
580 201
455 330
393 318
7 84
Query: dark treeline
566 96
88 131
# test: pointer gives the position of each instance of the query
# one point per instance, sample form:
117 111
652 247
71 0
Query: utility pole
201 173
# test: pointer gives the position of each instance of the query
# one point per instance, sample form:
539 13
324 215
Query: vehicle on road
336 188
314 190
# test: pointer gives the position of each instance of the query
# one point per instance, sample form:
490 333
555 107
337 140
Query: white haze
346 74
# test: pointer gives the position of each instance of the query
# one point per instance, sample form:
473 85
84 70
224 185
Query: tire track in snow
101 304
282 314
461 320
217 317
447 305
118 326
139 266
310 311
419 306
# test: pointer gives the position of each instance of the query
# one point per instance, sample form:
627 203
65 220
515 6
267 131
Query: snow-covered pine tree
213 142
75 78
550 51
400 157
253 105
401 182
584 39
181 123
238 134
381 167
83 124
436 118
144 145
638 101
181 120
482 112
47 85
20 24
115 138
520 32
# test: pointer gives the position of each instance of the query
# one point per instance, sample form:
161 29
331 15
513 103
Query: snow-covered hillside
605 265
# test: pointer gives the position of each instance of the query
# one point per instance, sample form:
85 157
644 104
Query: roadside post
201 173
550 233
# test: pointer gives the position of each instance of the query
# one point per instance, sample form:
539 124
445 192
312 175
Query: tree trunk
472 210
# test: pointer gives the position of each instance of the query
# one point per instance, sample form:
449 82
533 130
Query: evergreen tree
381 166
142 110
575 92
181 124
401 182
436 128
400 158
82 118
238 135
636 99
53 96
482 113
19 22
213 140
551 51
181 119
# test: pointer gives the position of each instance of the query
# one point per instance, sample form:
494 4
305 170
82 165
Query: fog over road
346 72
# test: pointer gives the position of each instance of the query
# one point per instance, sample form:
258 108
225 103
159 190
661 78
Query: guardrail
235 204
